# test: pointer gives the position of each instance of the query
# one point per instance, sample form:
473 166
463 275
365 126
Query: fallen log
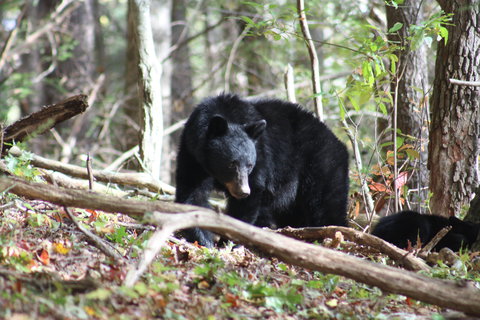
445 293
405 258
43 120
139 180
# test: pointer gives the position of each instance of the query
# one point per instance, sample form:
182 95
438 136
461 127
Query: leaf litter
49 270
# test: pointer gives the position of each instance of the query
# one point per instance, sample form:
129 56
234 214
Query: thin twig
317 100
1 139
180 44
432 243
231 56
97 241
367 197
11 38
57 18
290 84
465 83
89 171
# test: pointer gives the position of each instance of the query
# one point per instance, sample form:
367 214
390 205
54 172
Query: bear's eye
249 166
232 165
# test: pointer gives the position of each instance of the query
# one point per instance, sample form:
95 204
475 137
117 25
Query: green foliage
275 298
279 26
432 28
20 166
119 236
210 264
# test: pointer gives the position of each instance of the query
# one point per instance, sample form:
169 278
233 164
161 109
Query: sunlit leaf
60 248
412 153
332 303
44 257
397 26
402 179
99 294
378 187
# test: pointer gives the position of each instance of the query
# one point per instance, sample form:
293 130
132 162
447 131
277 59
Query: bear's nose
242 194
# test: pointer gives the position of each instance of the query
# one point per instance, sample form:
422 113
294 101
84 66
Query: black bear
408 225
277 163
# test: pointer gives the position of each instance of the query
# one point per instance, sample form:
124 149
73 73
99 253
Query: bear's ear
217 127
255 129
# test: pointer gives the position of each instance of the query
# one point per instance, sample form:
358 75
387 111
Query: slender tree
161 27
181 86
454 131
150 97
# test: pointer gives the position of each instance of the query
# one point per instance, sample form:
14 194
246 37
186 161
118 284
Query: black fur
278 164
407 225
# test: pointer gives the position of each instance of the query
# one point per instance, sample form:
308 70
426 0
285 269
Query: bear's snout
238 190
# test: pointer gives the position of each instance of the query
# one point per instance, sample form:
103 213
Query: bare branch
403 257
302 18
99 243
11 38
465 83
46 118
141 180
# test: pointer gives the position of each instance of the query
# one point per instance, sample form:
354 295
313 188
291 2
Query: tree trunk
131 125
454 131
181 77
413 74
161 26
150 97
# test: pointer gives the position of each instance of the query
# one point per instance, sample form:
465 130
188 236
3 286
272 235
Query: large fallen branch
449 294
45 119
139 180
404 257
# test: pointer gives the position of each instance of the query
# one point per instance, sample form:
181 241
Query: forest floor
50 270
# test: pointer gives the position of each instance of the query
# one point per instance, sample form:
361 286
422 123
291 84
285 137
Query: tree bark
43 120
161 26
150 102
131 129
454 131
412 108
449 294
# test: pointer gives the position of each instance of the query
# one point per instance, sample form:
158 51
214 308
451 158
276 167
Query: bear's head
231 154
468 229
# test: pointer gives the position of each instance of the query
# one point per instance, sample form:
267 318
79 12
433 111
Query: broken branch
43 120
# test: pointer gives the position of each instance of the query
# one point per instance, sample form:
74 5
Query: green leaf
276 303
412 153
367 72
443 32
383 108
400 141
354 103
99 294
397 26
141 288
248 21
341 107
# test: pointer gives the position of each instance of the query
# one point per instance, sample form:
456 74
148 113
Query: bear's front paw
203 237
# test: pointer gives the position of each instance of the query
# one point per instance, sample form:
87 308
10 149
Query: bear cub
407 225
276 162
